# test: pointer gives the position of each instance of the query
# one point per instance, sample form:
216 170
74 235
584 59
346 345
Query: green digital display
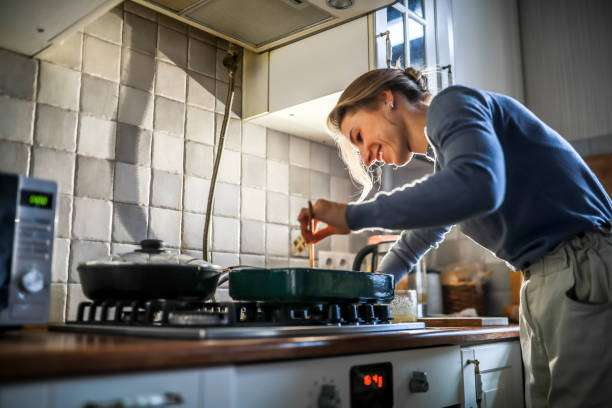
36 199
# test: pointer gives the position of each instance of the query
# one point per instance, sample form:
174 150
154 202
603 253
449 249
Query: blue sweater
512 183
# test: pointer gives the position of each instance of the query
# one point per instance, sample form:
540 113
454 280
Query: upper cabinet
293 88
30 26
482 42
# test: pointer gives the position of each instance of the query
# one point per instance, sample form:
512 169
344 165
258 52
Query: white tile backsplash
126 116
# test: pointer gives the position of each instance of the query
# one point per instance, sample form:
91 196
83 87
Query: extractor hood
261 25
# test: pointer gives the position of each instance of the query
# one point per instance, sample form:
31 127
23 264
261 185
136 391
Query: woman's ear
388 98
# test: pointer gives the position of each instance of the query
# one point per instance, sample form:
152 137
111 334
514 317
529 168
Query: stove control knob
32 281
419 382
329 397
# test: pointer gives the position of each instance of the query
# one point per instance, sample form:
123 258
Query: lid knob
151 246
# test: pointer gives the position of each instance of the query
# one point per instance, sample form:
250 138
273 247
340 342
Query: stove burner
207 314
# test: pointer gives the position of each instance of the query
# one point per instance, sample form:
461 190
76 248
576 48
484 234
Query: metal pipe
230 61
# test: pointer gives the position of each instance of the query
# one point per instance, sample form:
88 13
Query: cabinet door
500 382
33 395
178 389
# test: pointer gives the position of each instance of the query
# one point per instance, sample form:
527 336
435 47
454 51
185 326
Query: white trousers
566 324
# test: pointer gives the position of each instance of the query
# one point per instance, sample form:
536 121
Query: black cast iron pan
150 273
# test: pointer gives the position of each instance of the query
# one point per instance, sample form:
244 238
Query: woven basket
462 296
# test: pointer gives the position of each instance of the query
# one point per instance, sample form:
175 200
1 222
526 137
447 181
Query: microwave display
36 199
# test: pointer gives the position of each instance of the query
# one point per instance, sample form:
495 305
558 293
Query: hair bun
418 77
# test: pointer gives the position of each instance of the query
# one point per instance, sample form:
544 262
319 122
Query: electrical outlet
336 260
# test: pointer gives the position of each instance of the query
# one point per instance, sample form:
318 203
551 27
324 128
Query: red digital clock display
372 386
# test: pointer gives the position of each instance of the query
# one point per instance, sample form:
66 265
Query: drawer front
180 387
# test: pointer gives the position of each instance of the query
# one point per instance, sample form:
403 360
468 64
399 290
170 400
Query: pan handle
224 277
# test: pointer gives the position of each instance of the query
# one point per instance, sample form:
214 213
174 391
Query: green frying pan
309 285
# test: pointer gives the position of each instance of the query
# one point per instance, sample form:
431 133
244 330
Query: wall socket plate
336 260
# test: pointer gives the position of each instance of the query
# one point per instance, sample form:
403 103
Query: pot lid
152 251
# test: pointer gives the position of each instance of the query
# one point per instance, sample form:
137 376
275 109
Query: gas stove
230 320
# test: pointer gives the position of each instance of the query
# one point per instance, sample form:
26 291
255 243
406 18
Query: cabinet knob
329 397
419 382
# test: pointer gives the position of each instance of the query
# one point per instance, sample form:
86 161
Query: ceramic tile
108 26
201 90
193 227
200 126
254 140
54 165
255 261
133 145
227 200
61 250
99 97
253 171
278 145
196 194
299 181
170 81
17 75
101 58
166 190
278 176
132 184
277 262
16 119
299 152
221 95
86 210
295 206
229 169
198 160
94 178
233 134
137 69
319 185
167 153
139 34
253 237
277 240
172 23
226 234
135 107
59 86
225 259
75 296
320 157
97 137
202 57
139 10
169 116
253 204
55 128
129 223
59 293
172 46
63 226
165 225
277 210
14 157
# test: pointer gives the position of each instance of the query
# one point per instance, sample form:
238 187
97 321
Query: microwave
27 220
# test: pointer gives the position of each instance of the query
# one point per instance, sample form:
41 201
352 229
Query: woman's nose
367 156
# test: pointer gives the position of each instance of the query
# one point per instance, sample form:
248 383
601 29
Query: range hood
261 25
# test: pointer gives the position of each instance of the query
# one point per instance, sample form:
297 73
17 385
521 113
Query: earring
391 105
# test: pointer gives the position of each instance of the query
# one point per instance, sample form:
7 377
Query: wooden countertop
31 354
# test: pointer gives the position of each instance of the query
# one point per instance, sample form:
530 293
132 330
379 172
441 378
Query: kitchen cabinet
293 88
421 377
481 41
492 374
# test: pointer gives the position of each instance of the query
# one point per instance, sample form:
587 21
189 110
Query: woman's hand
329 212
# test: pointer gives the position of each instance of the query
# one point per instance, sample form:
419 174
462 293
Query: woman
514 186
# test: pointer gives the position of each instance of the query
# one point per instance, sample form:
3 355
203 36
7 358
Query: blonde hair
365 93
